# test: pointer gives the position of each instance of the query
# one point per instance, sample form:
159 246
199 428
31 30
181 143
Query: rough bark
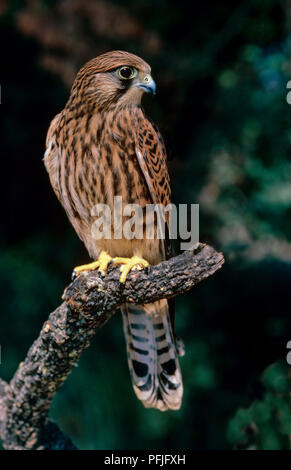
89 302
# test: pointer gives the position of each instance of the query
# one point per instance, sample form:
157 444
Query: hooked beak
148 85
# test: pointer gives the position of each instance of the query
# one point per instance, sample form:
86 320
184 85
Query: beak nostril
147 84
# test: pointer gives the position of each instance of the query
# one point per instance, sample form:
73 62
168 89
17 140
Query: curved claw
147 269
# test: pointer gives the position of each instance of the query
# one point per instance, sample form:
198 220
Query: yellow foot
129 264
101 264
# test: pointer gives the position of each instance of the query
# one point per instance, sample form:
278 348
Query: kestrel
100 146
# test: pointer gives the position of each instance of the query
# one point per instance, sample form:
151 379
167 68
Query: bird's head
114 78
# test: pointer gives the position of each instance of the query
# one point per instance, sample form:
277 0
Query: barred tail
152 356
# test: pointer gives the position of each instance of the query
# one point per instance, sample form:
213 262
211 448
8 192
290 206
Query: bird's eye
126 73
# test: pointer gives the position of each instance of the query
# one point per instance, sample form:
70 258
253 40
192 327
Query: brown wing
152 158
151 154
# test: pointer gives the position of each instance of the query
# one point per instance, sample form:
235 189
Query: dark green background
221 70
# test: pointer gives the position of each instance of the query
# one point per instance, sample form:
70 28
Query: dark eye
126 73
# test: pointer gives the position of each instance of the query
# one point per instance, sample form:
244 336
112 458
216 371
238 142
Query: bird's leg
101 264
129 264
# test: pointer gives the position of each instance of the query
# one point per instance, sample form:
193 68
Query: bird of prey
100 146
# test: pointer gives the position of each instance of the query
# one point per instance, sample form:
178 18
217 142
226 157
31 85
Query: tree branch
89 302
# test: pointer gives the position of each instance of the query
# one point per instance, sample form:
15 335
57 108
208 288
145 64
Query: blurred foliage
266 424
221 106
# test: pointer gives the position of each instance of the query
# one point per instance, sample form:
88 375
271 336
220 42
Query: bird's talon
129 264
101 264
136 267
